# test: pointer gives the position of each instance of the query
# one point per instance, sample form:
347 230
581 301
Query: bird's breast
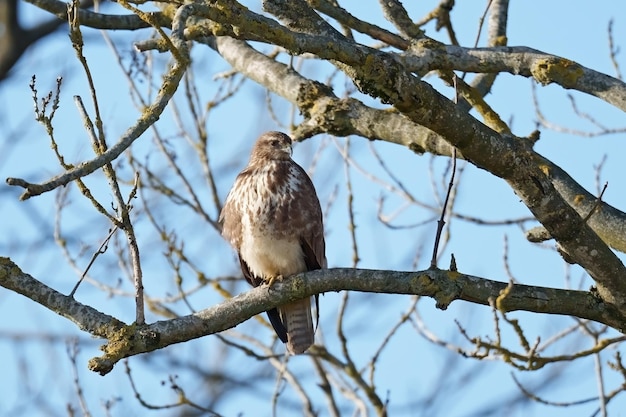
269 256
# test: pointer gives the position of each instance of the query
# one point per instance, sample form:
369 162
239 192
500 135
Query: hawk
272 217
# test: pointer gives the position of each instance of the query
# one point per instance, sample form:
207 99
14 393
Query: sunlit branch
443 286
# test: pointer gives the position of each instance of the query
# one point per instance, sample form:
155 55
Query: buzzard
272 217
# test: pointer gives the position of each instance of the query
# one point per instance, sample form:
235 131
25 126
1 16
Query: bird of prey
272 217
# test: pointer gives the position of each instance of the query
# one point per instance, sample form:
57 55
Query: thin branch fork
148 117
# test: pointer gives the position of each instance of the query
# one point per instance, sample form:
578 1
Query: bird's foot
271 280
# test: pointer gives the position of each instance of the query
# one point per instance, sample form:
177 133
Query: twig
183 400
72 352
98 139
600 380
597 204
613 51
481 21
326 387
352 225
134 254
102 249
534 397
441 222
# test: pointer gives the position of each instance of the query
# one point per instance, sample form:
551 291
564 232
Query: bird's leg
271 280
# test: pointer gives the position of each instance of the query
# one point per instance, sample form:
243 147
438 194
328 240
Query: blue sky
411 367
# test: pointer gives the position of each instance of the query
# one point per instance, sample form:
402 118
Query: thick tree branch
423 56
607 221
394 12
443 286
427 55
86 318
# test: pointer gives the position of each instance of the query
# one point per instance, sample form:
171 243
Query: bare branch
148 117
443 286
100 20
86 318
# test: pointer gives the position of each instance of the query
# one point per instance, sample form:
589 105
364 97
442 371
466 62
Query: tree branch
423 55
428 55
86 318
443 286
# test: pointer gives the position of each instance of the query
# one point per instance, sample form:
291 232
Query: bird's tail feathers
298 321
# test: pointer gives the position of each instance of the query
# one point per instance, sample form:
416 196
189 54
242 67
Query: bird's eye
275 143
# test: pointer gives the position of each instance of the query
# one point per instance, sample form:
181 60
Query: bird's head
272 145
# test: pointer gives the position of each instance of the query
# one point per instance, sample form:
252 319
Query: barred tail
299 323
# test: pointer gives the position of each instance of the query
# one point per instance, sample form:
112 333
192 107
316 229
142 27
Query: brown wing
312 241
312 237
230 216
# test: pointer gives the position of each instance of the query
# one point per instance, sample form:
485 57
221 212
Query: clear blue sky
411 368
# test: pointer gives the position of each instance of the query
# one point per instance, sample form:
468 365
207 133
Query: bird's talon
272 280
